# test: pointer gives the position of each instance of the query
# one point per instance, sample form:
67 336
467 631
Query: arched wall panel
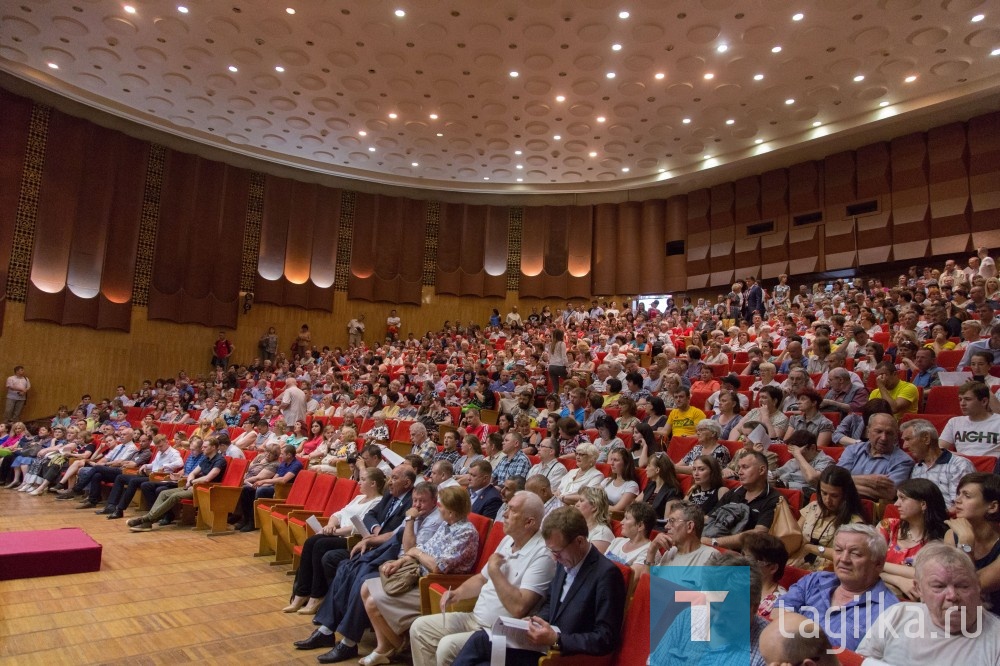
948 178
472 250
558 243
298 244
984 179
387 252
13 147
910 197
196 266
87 226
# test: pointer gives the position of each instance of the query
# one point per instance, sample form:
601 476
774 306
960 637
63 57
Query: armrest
286 508
430 598
218 493
301 514
266 501
159 476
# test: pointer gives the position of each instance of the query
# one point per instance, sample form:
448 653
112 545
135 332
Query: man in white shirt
977 431
293 403
512 584
356 331
948 626
942 468
211 411
17 393
680 540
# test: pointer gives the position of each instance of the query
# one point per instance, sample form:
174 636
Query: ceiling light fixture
978 17
414 164
798 17
722 48
706 157
610 75
623 15
440 134
995 52
557 137
616 47
400 13
883 104
520 180
859 78
486 177
758 77
514 75
816 123
371 149
789 101
129 9
233 69
519 166
625 169
759 141
290 10
709 76
279 69
52 65
593 154
393 116
517 152
434 116
601 119
730 122
910 79
660 75
686 121
560 98
182 9
362 133
776 49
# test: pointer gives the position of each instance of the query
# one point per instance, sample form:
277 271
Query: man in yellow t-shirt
903 396
683 418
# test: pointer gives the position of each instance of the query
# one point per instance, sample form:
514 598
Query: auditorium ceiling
546 96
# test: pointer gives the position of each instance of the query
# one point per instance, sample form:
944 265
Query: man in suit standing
585 606
754 301
486 499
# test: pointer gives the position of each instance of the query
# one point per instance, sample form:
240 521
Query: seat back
679 447
482 525
340 495
493 539
942 400
699 398
833 451
983 463
402 432
320 492
635 648
791 576
850 658
301 486
949 359
890 511
235 469
939 421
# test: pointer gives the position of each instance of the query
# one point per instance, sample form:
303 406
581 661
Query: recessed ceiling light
816 123
520 180
730 122
776 49
978 17
129 9
519 166
233 69
560 98
709 76
440 134
486 177
625 169
52 65
660 75
434 116
290 10
393 116
798 17
910 79
362 133
182 9
623 15
722 48
616 47
557 137
514 75
414 164
759 141
789 101
686 121
400 13
758 77
279 68
610 75
593 154
601 119
859 78
371 149
517 152
995 52
883 104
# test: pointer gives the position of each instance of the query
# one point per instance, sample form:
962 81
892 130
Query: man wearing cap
730 382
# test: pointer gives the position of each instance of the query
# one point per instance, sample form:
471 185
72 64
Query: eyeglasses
675 521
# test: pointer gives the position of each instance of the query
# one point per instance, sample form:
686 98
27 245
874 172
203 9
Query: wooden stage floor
172 596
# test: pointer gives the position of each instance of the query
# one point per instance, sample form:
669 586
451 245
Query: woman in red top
922 513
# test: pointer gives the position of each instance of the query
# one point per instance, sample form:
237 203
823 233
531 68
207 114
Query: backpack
726 520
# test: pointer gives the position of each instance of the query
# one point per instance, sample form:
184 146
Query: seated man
510 487
844 601
167 460
151 489
486 499
514 463
756 493
541 486
942 468
259 482
115 457
795 639
878 465
903 396
442 474
806 465
680 540
585 605
114 469
977 431
955 630
683 418
212 467
513 583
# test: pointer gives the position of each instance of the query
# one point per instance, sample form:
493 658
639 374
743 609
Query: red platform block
48 553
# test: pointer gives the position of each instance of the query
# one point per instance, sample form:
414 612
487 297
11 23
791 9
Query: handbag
403 579
785 527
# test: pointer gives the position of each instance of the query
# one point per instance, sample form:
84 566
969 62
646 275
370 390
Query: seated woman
727 413
809 418
62 418
731 470
656 416
630 548
472 450
548 417
295 436
837 503
706 382
662 484
584 476
922 516
622 486
340 449
570 437
311 583
607 437
77 450
593 505
530 438
25 448
707 431
767 414
940 340
627 419
309 445
450 549
707 487
769 553
379 432
53 451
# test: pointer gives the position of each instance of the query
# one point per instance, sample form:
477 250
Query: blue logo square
699 616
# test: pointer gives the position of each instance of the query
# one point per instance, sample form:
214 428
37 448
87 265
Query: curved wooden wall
387 255
16 113
472 250
556 251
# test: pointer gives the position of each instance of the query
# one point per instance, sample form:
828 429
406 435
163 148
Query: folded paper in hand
314 524
759 436
359 526
514 633
392 457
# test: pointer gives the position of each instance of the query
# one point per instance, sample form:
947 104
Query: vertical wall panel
298 244
805 188
874 231
910 197
90 203
388 249
947 152
472 250
746 206
13 147
196 268
652 242
556 252
839 191
723 234
699 242
774 206
675 266
629 269
984 179
605 269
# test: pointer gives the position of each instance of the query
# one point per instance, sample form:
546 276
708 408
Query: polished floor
173 596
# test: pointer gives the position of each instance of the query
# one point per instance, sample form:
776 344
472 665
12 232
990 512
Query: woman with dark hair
974 530
637 524
656 418
853 427
768 414
645 443
874 353
707 487
770 555
922 516
570 436
627 419
809 418
838 503
727 413
607 437
622 485
662 484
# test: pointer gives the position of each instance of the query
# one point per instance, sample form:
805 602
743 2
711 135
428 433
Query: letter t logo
701 598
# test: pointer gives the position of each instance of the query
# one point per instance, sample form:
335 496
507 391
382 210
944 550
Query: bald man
795 639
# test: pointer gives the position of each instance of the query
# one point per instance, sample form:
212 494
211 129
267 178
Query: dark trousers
83 477
247 498
312 579
101 473
477 651
343 608
124 489
151 490
5 468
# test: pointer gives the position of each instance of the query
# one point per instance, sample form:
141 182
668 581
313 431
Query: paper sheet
954 378
759 436
359 526
392 457
514 633
314 524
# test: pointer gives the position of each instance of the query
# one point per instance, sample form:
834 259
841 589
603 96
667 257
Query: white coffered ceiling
505 96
